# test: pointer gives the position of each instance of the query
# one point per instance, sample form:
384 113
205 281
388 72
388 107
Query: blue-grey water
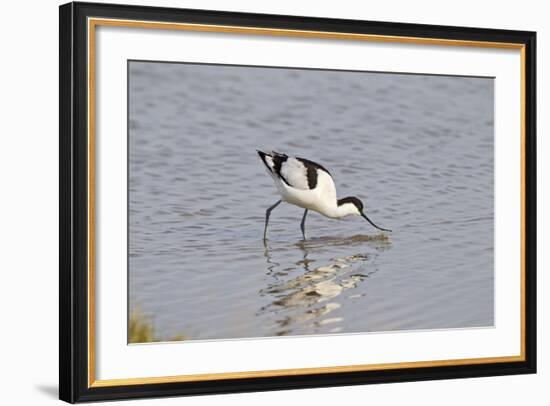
417 149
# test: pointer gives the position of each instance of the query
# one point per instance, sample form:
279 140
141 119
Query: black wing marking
278 160
312 168
276 163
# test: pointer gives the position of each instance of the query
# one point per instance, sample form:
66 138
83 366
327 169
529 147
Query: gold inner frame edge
93 22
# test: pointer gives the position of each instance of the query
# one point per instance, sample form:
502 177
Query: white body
322 198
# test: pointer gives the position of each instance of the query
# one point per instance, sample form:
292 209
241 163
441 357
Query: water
417 149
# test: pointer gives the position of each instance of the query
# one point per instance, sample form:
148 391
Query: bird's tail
270 159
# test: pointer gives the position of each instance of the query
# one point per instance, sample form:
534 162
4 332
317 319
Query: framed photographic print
255 202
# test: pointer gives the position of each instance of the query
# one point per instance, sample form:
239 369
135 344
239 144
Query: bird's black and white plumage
308 185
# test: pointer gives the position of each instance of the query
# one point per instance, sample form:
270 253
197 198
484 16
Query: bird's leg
303 224
267 213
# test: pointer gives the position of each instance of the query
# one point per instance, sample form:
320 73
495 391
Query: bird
308 185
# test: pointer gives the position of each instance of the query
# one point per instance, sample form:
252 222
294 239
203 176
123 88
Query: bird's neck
341 210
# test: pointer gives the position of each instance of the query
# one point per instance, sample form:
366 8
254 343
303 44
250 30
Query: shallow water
417 149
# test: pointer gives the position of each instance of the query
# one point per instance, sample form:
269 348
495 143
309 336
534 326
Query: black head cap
353 200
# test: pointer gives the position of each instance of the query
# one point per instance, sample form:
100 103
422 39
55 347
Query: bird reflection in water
303 304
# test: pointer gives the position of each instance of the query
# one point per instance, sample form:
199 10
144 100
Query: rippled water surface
417 149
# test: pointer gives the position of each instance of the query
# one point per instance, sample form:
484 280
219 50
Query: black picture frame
73 255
